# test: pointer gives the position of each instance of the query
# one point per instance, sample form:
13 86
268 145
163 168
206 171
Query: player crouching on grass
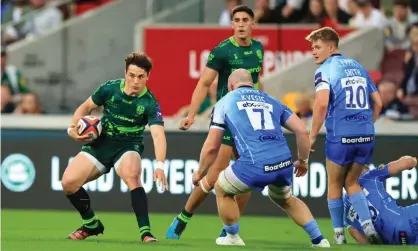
396 225
128 107
262 162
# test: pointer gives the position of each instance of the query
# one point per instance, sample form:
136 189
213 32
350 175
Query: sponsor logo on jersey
357 140
353 81
251 104
403 238
140 110
236 61
250 70
278 166
356 118
123 118
268 137
111 102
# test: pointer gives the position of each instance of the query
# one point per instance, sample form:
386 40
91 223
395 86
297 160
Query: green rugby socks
81 201
185 216
140 207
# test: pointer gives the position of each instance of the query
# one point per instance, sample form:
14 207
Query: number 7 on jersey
259 114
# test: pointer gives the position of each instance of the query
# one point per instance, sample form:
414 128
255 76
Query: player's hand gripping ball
89 125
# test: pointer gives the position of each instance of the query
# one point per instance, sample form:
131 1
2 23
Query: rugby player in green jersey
128 107
237 51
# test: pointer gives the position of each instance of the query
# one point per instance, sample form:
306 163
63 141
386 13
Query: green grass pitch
47 230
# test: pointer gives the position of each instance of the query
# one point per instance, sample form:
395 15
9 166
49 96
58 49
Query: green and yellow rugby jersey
125 117
229 56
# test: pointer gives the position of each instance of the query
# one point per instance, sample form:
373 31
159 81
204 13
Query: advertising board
33 162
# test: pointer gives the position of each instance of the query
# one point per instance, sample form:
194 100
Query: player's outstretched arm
210 150
84 109
377 105
404 163
357 236
160 149
295 125
201 90
319 111
200 93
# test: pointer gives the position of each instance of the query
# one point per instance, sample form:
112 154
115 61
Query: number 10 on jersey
259 114
356 96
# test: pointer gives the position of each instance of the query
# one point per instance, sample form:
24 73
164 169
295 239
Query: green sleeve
101 94
216 59
262 52
23 88
154 114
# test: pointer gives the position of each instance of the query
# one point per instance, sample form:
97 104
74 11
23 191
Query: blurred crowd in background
396 80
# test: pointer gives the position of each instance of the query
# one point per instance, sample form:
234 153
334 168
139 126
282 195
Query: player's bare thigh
129 168
336 175
82 169
220 164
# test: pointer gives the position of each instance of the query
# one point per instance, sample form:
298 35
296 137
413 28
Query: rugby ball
89 125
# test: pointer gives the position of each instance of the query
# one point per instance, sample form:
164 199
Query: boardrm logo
272 168
17 172
357 140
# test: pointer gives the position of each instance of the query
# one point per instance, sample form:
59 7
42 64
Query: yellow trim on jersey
256 86
122 88
235 43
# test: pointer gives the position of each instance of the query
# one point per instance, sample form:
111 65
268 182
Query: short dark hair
139 59
326 34
243 8
403 3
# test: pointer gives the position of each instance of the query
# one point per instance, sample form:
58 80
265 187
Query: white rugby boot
339 238
324 243
230 240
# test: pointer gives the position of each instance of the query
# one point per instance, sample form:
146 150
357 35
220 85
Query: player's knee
351 181
130 172
70 184
132 180
352 187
